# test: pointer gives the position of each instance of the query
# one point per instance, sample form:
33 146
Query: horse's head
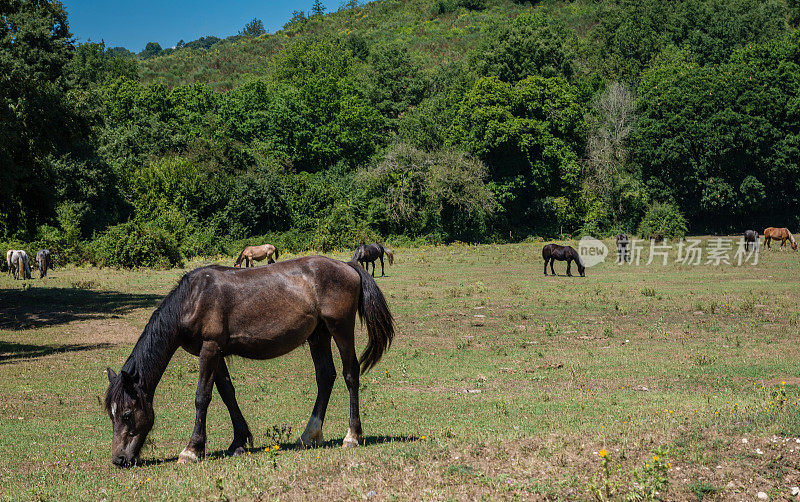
131 414
794 245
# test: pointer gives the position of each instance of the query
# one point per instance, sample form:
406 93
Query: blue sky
132 24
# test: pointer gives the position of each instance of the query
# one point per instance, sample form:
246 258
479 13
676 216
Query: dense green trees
722 140
449 120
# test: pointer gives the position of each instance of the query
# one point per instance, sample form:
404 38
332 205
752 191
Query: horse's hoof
187 456
310 442
349 443
238 450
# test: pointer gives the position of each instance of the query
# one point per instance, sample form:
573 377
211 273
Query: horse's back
264 312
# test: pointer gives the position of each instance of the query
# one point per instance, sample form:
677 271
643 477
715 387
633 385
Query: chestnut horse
781 234
256 253
216 311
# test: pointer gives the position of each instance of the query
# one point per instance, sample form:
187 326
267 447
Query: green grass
501 383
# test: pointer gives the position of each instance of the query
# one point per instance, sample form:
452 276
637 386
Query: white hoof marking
351 440
187 456
312 436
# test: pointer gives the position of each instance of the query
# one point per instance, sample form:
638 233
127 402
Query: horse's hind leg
320 344
545 265
241 432
345 341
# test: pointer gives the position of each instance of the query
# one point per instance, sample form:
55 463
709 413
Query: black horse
368 253
552 252
622 248
259 313
750 236
43 261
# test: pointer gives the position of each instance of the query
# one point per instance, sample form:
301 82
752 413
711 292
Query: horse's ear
111 375
128 384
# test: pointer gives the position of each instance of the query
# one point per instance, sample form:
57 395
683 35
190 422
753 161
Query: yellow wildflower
602 453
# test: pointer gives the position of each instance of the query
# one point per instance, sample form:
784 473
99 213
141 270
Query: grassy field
501 383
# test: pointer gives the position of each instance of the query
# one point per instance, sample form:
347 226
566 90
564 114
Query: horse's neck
150 358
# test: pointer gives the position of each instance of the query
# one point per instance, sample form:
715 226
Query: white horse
19 263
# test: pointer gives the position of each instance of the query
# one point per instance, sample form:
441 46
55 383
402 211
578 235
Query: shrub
136 244
661 221
340 229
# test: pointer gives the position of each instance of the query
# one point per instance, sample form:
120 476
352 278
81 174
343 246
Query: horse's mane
358 252
156 344
791 237
578 257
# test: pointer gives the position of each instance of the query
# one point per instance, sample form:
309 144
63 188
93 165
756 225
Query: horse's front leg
569 264
209 362
382 272
241 432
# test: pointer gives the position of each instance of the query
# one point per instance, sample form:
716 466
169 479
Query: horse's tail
390 255
239 259
373 310
21 266
357 254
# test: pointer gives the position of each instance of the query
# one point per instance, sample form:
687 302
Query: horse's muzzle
121 461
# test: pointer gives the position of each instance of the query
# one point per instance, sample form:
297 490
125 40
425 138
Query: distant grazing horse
43 261
19 264
368 253
256 253
216 311
552 252
781 234
622 248
750 236
8 261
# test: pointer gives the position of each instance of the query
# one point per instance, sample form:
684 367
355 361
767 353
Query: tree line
558 118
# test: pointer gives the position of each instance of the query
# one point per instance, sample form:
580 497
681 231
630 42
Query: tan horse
256 253
781 234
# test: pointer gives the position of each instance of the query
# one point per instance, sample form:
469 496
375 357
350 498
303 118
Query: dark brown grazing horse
43 261
779 234
369 253
261 313
750 236
552 252
256 253
623 254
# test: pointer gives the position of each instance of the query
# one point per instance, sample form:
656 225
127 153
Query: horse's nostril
119 461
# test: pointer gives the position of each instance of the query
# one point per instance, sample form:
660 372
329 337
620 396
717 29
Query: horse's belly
265 341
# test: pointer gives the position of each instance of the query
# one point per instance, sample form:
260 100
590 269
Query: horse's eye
127 416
